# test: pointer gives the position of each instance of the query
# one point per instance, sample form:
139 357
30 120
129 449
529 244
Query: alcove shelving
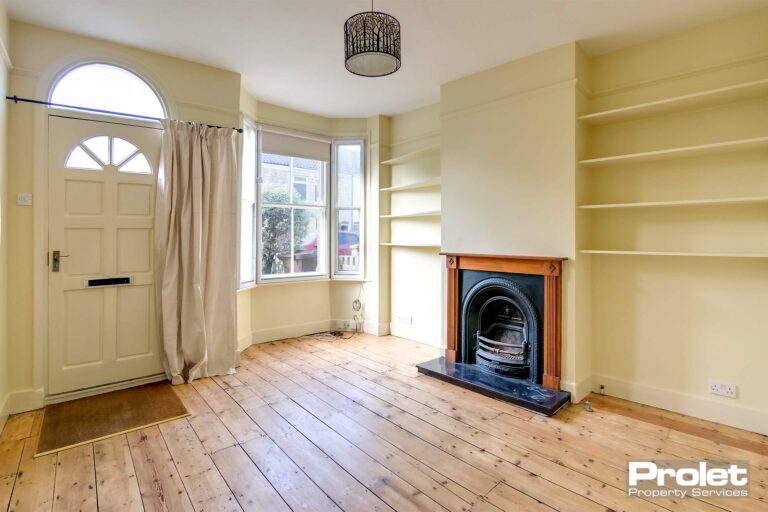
688 199
428 183
413 245
413 200
688 202
410 225
701 99
685 151
685 253
432 149
433 213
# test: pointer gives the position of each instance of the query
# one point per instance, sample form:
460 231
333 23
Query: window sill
293 280
351 279
300 280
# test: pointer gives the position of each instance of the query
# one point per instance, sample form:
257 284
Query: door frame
37 396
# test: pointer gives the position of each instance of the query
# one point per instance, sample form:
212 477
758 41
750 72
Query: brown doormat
93 418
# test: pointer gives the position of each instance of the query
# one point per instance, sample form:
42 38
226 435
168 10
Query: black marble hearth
520 392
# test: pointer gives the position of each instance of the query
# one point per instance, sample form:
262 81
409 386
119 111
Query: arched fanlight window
95 153
106 87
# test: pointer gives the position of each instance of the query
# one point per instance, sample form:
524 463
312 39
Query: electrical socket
718 387
345 325
405 319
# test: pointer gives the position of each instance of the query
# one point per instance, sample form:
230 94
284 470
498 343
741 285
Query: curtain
195 250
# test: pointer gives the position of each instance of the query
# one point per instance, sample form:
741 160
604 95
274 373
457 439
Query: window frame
335 208
262 279
297 180
248 124
118 113
329 208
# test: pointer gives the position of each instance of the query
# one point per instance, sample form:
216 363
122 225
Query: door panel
134 250
134 321
84 197
134 199
83 339
101 219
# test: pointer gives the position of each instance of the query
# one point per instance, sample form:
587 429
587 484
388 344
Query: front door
101 299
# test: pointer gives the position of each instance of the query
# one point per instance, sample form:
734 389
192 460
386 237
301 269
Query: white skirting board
289 331
4 411
24 400
107 388
578 390
718 411
414 333
244 342
376 329
303 329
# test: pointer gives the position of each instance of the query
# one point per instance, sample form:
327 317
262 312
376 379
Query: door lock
56 260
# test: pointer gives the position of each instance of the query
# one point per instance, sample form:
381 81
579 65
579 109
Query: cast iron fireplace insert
500 329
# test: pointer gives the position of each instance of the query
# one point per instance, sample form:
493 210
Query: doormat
93 418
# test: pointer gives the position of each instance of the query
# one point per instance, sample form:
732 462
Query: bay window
295 191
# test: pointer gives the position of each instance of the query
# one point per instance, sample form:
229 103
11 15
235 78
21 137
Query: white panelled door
101 192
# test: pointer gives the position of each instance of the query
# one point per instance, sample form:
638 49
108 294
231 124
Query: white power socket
344 325
405 319
718 387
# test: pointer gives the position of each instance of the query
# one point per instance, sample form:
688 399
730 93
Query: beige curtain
195 250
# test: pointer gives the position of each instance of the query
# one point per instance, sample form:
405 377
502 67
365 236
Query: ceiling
290 52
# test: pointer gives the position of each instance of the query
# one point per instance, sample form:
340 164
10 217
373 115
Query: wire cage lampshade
372 44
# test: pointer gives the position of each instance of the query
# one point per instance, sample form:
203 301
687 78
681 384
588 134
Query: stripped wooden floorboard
324 424
116 483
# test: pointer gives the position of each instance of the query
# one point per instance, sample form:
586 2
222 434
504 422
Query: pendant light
372 44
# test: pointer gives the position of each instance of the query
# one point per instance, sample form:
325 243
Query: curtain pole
16 99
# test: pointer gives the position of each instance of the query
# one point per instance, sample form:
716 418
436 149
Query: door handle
56 260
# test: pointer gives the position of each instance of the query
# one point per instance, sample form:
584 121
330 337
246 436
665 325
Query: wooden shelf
435 213
684 254
692 202
702 99
434 182
415 246
687 151
413 155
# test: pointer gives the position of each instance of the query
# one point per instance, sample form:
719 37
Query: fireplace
503 333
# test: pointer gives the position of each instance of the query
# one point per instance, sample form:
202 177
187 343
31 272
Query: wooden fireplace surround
550 268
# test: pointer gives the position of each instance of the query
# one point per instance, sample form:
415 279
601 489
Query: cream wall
4 199
663 327
192 92
508 158
508 150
